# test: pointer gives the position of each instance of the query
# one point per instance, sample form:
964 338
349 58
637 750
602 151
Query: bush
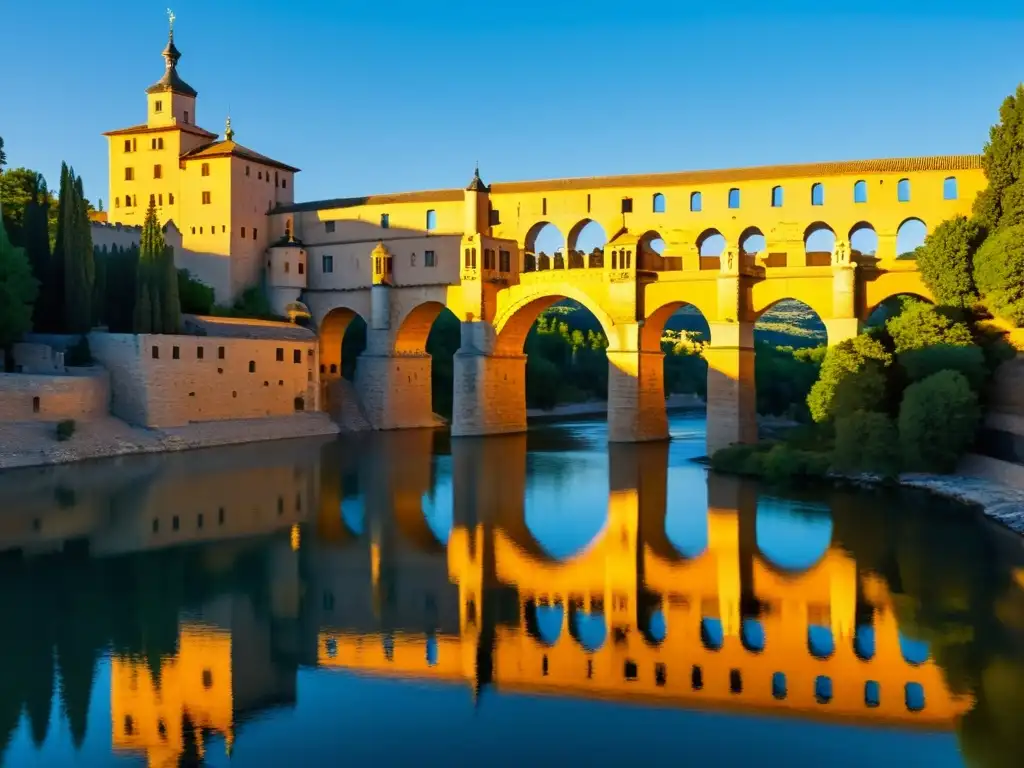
78 354
783 465
921 363
196 297
851 379
946 261
866 442
999 273
740 459
65 429
252 304
937 422
921 324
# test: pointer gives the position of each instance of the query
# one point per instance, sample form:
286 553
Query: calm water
539 600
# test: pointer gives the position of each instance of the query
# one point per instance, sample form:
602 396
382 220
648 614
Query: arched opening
777 197
587 240
734 198
903 190
817 193
658 203
438 507
752 242
650 248
681 332
909 237
342 336
792 536
860 191
432 329
949 191
710 244
890 307
790 341
543 242
696 202
819 243
863 239
431 220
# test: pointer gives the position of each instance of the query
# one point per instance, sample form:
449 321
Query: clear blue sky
381 96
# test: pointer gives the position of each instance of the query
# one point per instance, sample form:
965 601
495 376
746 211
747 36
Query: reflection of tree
952 584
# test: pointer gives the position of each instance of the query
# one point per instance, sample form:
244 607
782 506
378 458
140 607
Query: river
539 599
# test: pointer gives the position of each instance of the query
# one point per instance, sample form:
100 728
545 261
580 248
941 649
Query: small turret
477 206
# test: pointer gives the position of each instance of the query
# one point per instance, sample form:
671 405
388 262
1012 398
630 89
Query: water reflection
176 607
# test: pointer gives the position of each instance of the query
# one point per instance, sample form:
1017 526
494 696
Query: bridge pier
490 394
732 391
395 390
636 397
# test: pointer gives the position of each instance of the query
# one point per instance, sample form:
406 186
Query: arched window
695 202
949 188
903 190
658 203
776 197
431 219
817 193
734 198
860 192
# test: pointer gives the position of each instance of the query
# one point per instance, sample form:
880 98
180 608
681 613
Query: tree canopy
18 290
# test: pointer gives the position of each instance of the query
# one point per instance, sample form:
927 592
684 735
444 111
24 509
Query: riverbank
30 444
600 407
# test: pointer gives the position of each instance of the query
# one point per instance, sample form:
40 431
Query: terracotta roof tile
426 196
226 148
193 129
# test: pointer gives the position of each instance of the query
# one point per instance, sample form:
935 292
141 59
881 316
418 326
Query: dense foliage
945 261
18 290
938 419
852 379
999 273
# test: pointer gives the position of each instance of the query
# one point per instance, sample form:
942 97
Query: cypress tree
79 269
55 284
143 320
101 260
37 248
170 301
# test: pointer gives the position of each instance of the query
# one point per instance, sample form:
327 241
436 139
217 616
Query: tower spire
229 133
171 81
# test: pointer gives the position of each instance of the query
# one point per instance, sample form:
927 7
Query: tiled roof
427 196
244 328
144 128
226 148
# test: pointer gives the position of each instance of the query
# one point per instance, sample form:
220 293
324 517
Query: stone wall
165 381
82 394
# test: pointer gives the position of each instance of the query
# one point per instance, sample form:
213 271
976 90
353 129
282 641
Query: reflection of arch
353 515
544 622
593 233
513 324
863 239
332 333
710 242
790 537
413 525
654 324
535 231
589 629
414 328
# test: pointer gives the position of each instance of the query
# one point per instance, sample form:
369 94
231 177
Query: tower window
431 220
127 145
328 226
254 233
205 170
247 170
385 221
302 268
297 356
129 174
206 198
259 175
276 182
286 266
160 199
186 117
284 183
243 231
280 354
158 106
158 172
152 199
734 198
627 205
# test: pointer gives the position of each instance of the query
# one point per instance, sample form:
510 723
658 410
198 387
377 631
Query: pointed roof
476 184
171 81
229 147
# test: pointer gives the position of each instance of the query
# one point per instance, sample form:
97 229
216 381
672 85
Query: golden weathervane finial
170 18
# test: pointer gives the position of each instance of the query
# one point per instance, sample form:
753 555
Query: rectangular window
328 226
175 353
627 205
302 268
280 355
247 170
428 259
156 353
504 261
259 175
220 353
243 231
275 179
199 353
127 145
160 199
170 198
186 117
159 143
158 172
287 267
297 356
206 198
328 263
205 169
284 183
495 217
129 174
385 221
158 106
254 233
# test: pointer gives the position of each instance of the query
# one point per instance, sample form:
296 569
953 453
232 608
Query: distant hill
787 324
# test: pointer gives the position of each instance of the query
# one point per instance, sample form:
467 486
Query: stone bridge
730 243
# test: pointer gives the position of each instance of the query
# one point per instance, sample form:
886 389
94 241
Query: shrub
937 422
78 354
252 304
866 442
921 363
783 465
946 261
851 379
65 429
740 459
999 273
921 324
196 297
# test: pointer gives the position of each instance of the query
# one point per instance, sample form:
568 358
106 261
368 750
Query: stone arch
710 245
332 333
656 321
910 234
586 237
543 237
819 244
414 328
781 310
649 249
878 312
430 328
512 324
752 241
863 239
792 537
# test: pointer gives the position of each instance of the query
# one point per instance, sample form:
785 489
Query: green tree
852 378
969 360
921 324
946 261
143 320
17 187
196 296
3 155
18 290
866 442
79 269
1003 160
999 273
937 421
36 237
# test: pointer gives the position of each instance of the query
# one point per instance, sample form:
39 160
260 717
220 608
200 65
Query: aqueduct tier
730 243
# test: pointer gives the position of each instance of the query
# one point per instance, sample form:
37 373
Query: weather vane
170 18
